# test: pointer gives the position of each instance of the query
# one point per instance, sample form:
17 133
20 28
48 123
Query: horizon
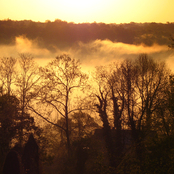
76 11
57 19
68 67
92 45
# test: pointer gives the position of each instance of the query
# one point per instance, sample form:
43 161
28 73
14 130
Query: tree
19 81
110 105
7 74
9 117
164 113
172 43
10 121
128 98
145 84
171 101
27 83
148 98
81 125
101 103
62 79
84 125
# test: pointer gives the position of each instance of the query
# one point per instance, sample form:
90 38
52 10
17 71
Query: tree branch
33 110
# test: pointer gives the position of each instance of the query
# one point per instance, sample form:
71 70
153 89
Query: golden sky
79 11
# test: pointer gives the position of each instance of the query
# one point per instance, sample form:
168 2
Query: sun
81 9
81 5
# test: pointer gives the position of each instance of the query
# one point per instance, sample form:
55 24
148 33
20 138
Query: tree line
132 100
62 34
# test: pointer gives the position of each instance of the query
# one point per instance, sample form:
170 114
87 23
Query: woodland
117 120
120 120
63 34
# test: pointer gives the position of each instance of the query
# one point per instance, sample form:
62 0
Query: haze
90 54
110 11
106 126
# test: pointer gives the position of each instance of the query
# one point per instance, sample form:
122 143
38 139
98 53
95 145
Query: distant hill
60 33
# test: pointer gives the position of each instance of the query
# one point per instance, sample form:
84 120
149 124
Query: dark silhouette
63 34
26 160
30 156
12 163
72 79
135 104
82 156
101 109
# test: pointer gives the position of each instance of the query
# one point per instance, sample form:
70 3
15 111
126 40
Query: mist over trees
62 34
118 120
16 122
59 81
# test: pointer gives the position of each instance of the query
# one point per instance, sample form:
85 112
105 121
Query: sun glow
79 11
81 5
82 9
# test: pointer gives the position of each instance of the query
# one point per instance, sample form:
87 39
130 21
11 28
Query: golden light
82 10
81 6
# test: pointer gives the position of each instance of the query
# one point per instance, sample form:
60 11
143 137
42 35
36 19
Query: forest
116 119
63 34
119 119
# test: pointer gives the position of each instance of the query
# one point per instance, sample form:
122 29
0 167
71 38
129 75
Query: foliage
160 156
9 119
133 99
16 123
62 34
130 96
10 124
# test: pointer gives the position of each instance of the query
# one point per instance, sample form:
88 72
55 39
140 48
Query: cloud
104 52
91 54
110 51
24 45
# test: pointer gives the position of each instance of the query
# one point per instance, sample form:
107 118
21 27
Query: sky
80 11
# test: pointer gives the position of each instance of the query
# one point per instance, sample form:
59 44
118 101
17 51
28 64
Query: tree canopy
133 100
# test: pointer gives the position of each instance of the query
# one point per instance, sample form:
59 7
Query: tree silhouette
110 101
27 83
61 78
7 74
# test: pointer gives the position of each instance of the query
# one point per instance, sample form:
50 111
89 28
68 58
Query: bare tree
117 97
7 74
127 97
62 79
110 106
145 81
151 81
27 83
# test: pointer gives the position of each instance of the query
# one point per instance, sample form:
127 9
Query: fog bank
91 54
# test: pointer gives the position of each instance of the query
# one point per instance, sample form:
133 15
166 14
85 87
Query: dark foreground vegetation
120 120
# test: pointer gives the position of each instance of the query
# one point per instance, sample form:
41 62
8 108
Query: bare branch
33 110
55 107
